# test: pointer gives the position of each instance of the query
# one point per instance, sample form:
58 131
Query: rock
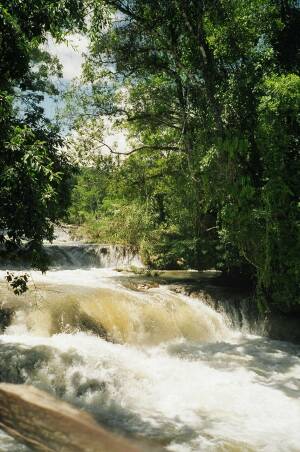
6 316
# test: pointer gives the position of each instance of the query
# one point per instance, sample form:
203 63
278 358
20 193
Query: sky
71 55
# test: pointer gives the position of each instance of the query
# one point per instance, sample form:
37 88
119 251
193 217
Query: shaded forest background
208 93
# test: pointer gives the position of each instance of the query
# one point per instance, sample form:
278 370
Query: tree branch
140 148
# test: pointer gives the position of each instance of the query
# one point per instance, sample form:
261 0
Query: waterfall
148 362
88 256
81 255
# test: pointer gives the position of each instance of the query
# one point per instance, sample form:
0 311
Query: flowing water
151 363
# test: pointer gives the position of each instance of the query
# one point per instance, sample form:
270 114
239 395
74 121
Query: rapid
148 362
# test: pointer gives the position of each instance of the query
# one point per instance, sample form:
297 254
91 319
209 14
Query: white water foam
227 396
215 390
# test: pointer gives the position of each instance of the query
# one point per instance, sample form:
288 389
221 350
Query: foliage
17 283
35 175
209 95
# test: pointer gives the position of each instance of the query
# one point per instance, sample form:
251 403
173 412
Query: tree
193 82
34 173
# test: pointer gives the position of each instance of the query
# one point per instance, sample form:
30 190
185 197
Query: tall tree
213 86
34 174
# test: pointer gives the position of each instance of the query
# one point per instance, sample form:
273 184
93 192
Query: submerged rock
6 317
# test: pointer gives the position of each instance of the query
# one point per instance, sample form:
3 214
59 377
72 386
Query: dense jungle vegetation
35 177
208 93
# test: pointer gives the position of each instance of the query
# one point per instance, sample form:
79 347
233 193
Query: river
150 363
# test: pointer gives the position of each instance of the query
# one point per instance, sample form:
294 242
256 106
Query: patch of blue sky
71 55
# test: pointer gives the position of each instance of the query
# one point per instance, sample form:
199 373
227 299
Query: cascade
148 363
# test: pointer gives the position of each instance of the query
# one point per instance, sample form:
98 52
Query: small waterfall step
74 255
82 255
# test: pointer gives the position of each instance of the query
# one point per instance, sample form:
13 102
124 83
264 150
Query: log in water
47 424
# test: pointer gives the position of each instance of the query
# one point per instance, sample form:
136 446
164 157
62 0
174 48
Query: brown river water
151 364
